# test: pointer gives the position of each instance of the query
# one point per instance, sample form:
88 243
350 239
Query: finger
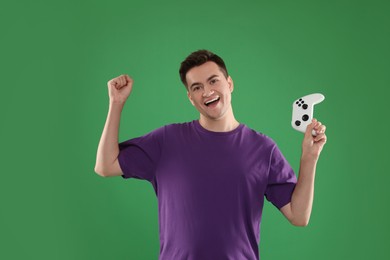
117 83
320 138
128 79
122 81
316 124
320 129
112 83
309 129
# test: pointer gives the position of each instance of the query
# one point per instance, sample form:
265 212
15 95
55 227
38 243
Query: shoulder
258 137
167 129
176 128
170 130
171 127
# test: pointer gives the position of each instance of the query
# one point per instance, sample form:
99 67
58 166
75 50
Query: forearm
108 149
302 197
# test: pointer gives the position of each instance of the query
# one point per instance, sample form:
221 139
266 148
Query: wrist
116 104
307 168
115 109
309 158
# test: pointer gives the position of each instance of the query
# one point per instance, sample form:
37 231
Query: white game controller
303 109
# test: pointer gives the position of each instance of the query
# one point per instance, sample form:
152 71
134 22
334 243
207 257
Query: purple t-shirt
210 187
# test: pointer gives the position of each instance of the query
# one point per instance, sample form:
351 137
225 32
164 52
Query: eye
195 88
213 81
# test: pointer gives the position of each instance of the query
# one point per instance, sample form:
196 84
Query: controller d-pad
300 102
305 118
297 123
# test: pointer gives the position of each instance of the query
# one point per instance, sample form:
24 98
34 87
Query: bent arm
107 154
298 211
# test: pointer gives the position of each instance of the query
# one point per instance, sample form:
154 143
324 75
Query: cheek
227 95
194 100
190 99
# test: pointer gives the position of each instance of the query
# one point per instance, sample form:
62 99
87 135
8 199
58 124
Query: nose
208 91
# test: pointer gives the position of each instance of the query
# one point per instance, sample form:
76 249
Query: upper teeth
212 100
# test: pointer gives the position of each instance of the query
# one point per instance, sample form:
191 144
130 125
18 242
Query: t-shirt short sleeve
281 180
138 157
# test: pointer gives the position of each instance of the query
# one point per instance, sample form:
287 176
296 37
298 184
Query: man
210 175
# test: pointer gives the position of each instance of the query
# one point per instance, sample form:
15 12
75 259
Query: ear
189 97
231 84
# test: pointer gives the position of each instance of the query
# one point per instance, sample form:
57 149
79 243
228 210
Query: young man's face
209 91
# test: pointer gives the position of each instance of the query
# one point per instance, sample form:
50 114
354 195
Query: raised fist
119 88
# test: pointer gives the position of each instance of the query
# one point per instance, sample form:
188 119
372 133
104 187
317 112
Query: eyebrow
197 83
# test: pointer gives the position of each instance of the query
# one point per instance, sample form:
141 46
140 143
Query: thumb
310 128
128 79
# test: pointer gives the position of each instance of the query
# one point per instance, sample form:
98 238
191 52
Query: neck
219 125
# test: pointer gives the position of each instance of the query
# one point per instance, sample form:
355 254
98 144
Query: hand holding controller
303 109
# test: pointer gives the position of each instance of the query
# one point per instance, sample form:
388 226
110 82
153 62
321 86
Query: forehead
202 72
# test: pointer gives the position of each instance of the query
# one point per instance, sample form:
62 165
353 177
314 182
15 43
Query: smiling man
209 90
210 175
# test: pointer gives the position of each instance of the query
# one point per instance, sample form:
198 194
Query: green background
57 56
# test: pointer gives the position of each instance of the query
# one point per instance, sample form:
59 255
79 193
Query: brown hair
198 58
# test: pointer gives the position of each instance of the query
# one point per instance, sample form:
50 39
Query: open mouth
212 101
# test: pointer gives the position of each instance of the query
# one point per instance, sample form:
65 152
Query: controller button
300 99
305 106
297 102
297 123
305 117
299 105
